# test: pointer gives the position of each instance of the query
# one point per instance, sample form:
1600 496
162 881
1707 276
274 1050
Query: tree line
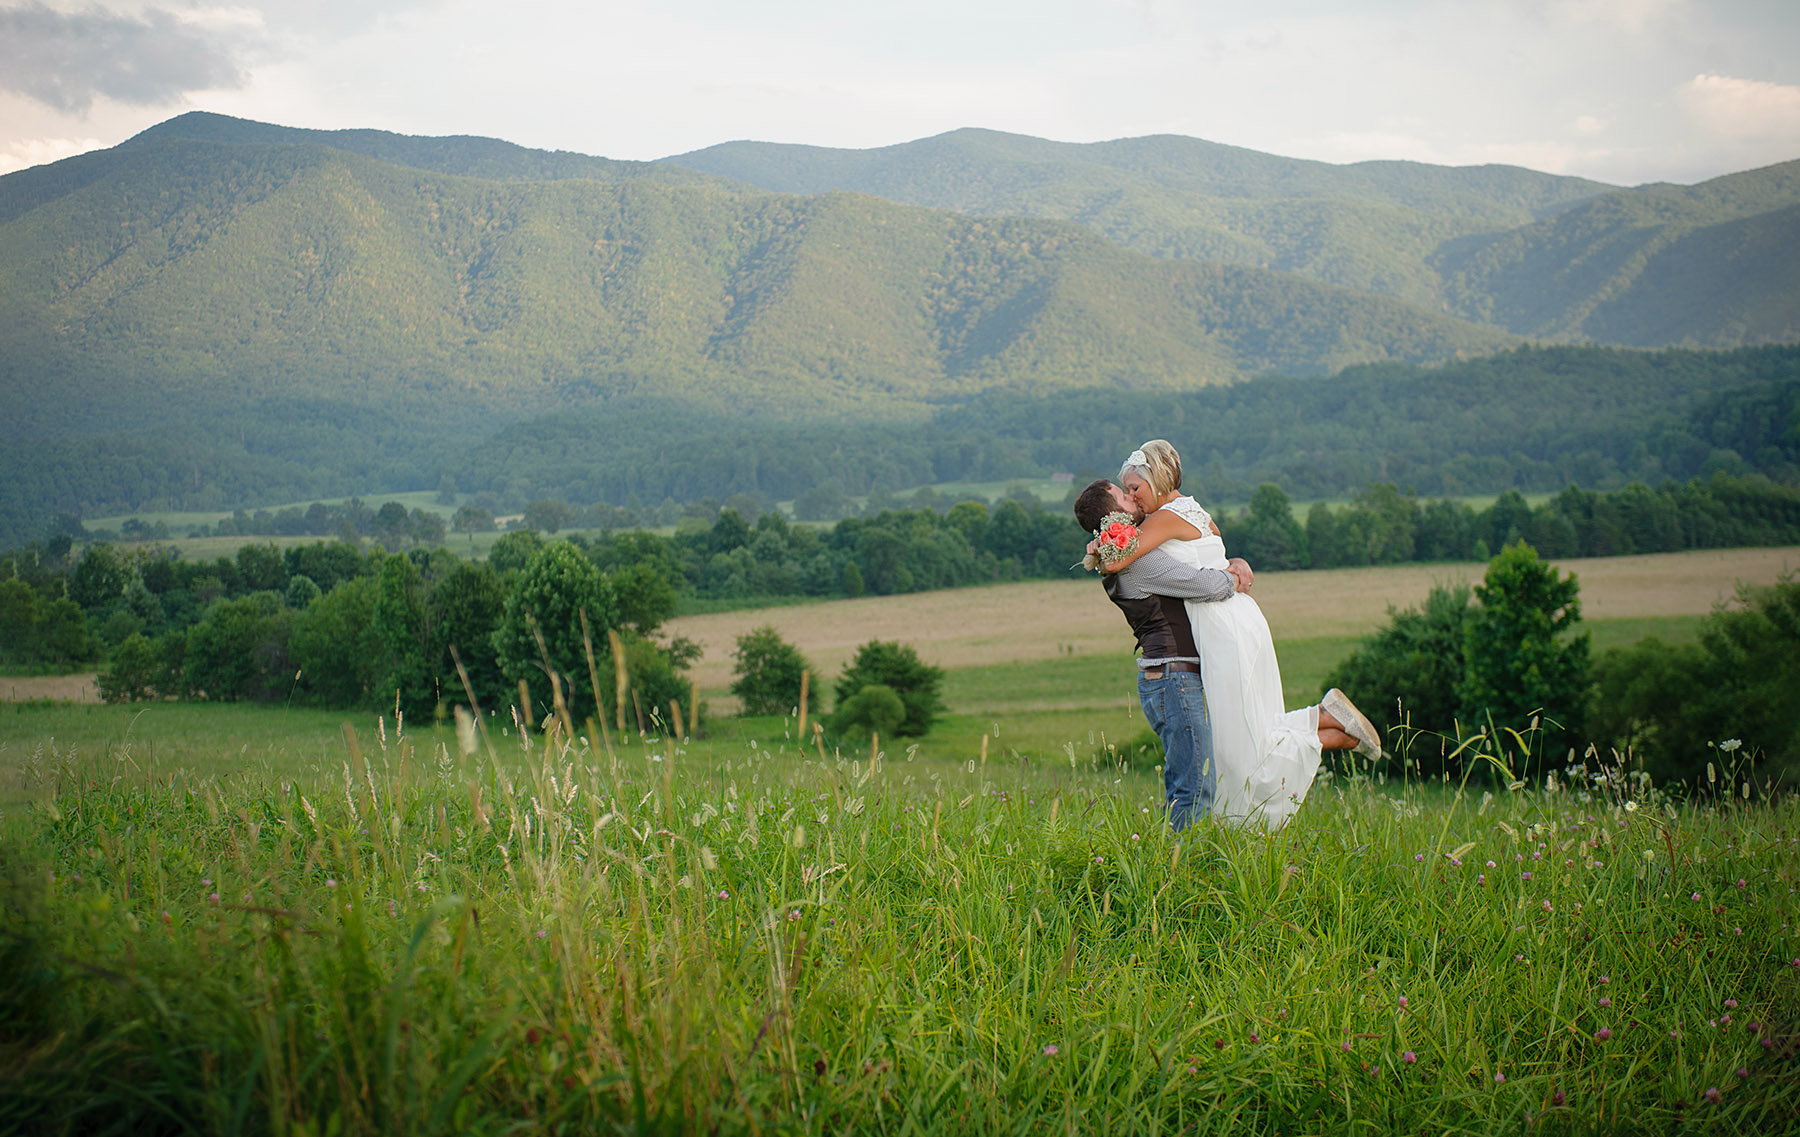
1534 420
1382 525
60 609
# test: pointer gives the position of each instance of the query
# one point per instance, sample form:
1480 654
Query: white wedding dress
1265 756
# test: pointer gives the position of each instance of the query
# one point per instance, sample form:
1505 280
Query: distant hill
175 274
1551 257
1369 226
1712 265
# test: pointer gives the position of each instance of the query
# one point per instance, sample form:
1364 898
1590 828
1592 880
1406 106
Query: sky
1623 91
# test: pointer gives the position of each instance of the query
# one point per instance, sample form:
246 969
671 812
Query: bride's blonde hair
1161 466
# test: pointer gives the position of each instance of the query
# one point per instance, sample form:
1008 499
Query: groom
1151 592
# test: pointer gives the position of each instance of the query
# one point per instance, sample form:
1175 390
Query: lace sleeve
1191 512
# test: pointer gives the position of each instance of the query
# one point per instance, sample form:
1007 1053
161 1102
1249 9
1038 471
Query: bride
1264 757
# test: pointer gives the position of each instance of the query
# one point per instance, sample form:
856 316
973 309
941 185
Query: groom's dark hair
1093 504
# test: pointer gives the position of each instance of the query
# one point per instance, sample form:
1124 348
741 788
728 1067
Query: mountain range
216 293
1554 258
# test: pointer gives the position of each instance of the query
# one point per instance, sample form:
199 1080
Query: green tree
328 563
1411 670
468 603
131 671
98 578
1267 535
402 627
62 634
336 649
1507 520
549 515
896 666
261 568
1380 527
768 670
557 586
970 518
392 524
301 591
1521 654
19 605
513 551
645 596
427 527
472 519
654 675
852 580
240 651
1322 537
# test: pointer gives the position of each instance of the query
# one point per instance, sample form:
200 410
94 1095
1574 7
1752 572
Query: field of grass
239 922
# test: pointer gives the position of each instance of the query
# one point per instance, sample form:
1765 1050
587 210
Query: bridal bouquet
1117 539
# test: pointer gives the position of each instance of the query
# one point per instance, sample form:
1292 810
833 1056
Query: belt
1162 669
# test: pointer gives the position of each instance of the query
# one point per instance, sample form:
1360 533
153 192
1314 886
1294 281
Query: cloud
67 59
1624 15
1743 109
36 151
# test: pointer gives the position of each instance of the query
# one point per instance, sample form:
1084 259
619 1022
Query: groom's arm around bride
1150 592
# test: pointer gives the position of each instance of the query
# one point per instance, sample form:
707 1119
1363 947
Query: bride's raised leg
1339 716
1332 735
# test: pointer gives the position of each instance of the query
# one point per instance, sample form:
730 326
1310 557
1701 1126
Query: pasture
248 920
285 928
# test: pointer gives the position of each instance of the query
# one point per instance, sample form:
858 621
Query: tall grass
551 932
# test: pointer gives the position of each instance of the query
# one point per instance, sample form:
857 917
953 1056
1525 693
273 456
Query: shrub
873 709
768 671
654 675
1672 705
898 668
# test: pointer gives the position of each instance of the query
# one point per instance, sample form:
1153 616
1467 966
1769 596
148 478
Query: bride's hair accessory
1157 463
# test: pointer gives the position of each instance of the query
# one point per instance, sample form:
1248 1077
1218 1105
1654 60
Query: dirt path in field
56 688
976 627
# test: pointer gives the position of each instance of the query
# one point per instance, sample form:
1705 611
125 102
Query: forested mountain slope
1711 265
178 274
1557 258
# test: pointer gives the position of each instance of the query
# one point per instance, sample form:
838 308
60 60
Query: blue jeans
1176 707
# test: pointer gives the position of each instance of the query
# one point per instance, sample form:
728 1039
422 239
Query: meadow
370 930
249 919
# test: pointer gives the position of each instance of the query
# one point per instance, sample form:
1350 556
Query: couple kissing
1208 679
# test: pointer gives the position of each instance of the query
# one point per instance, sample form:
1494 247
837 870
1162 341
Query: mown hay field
1028 623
